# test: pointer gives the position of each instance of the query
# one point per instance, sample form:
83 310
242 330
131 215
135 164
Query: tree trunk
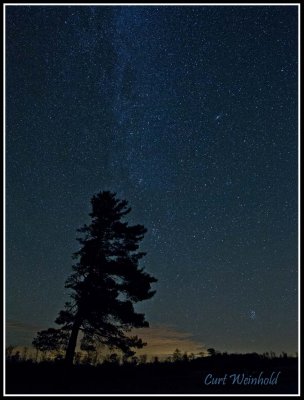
70 351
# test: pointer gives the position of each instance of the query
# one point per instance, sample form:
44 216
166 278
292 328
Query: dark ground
26 377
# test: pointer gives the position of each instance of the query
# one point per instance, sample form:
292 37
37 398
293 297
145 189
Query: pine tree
106 280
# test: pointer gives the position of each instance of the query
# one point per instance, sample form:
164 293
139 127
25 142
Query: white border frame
299 193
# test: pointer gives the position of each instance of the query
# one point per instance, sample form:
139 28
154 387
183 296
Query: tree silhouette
177 355
212 352
51 340
9 351
106 281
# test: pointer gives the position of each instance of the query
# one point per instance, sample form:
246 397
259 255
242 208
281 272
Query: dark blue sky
189 113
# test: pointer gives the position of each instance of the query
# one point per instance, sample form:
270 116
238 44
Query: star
252 315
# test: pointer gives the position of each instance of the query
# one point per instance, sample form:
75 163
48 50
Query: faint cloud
21 326
20 333
163 340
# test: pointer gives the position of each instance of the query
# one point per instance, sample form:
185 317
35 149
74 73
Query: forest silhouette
180 373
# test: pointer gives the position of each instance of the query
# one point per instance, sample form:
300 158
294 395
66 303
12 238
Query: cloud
20 333
18 326
163 340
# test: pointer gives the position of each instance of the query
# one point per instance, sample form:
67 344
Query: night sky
190 114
